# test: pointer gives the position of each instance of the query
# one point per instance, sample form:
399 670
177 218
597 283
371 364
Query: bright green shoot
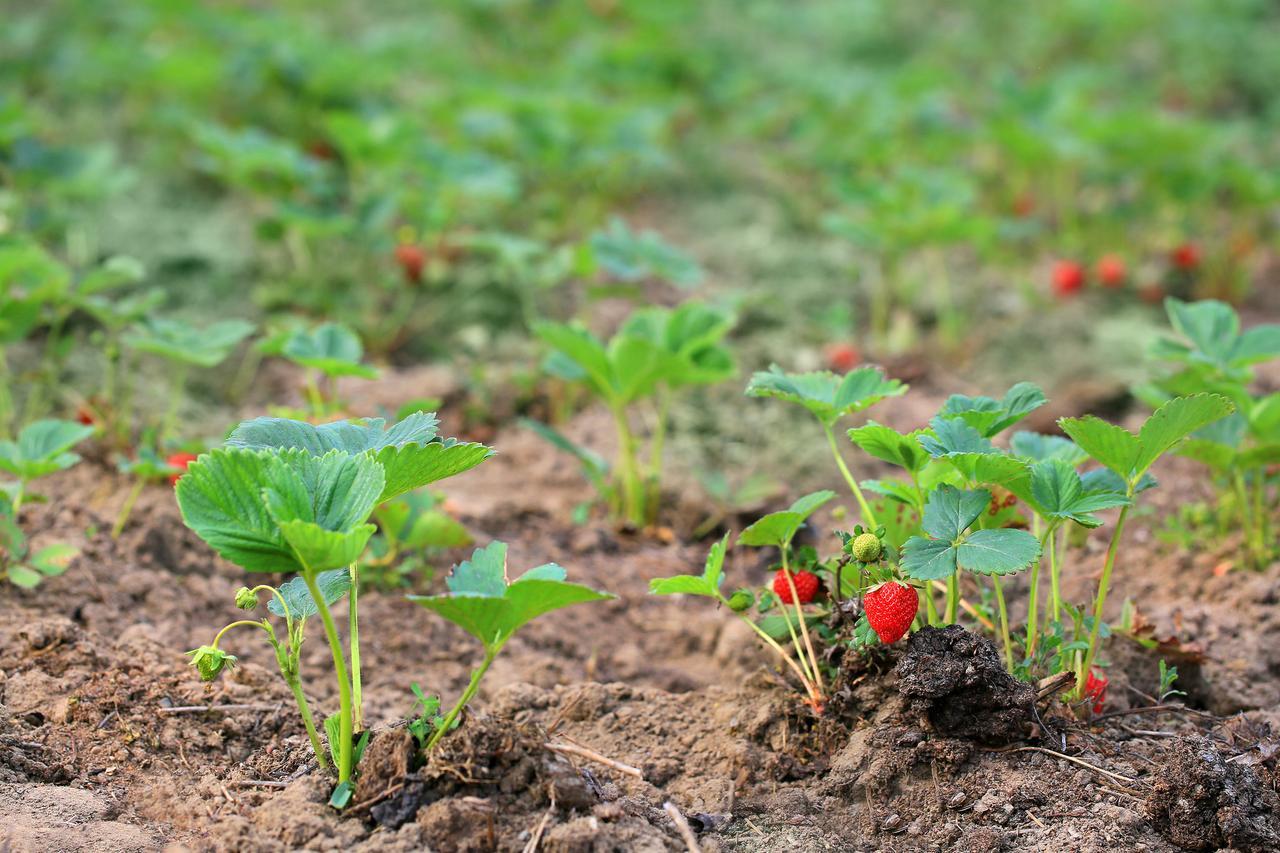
330 350
487 605
21 566
42 448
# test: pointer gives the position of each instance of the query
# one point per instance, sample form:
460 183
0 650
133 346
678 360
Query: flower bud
867 548
246 599
210 662
741 600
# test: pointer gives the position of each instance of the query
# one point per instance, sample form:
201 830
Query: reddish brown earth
92 756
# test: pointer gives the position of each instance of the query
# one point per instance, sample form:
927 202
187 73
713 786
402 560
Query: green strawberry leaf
949 513
828 396
481 601
178 341
594 466
1038 447
331 348
632 256
889 445
42 448
1059 492
778 528
991 417
950 436
1001 551
708 583
896 490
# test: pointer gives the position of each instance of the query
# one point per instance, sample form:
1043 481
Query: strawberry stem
1103 584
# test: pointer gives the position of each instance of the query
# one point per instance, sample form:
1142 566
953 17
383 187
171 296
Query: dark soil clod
954 680
1200 801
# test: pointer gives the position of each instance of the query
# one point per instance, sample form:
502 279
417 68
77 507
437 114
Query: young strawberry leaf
410 453
828 396
708 583
1059 493
42 448
1129 455
991 417
688 338
178 341
948 515
482 602
331 348
333 585
1213 330
889 445
778 528
630 256
951 436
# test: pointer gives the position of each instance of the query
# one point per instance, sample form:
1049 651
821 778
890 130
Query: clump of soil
954 680
1202 801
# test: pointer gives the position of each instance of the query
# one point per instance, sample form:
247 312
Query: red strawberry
412 259
807 584
1095 687
1068 278
842 357
1186 257
179 461
1111 271
85 416
891 608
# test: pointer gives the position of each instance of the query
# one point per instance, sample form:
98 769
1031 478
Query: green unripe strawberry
741 600
210 662
867 548
246 599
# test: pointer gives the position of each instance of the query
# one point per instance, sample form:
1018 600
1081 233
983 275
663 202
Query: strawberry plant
655 354
287 496
330 350
829 398
21 566
42 448
485 603
411 528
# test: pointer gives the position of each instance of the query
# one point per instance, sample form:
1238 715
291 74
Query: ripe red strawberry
807 584
1095 687
85 416
412 259
1111 271
842 358
1186 257
891 608
1068 278
179 461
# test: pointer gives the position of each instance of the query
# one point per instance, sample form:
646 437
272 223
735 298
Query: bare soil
109 742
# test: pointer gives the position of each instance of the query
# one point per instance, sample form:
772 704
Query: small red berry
1068 278
842 358
1111 271
85 416
891 608
1186 257
807 584
179 461
1095 687
412 259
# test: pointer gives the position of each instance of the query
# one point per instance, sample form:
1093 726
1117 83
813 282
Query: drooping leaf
627 255
828 396
778 528
594 466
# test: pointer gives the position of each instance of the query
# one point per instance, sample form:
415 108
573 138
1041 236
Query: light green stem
782 653
953 598
632 489
1004 623
447 723
354 633
1033 596
295 685
804 629
1103 584
868 517
1055 581
345 731
123 517
930 608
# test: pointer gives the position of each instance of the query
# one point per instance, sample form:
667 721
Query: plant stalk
953 598
177 389
1004 623
804 629
127 509
447 723
632 489
345 731
1103 584
868 517
354 639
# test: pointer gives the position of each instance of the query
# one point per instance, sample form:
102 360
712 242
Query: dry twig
592 755
682 826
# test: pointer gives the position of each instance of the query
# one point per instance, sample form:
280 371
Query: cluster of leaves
1212 354
655 354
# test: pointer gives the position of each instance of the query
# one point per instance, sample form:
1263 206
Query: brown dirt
93 756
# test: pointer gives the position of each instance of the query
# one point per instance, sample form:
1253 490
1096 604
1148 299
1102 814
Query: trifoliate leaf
483 604
688 340
950 511
947 516
1001 551
42 448
778 528
928 559
1213 330
991 417
828 396
1059 493
331 348
333 585
891 446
